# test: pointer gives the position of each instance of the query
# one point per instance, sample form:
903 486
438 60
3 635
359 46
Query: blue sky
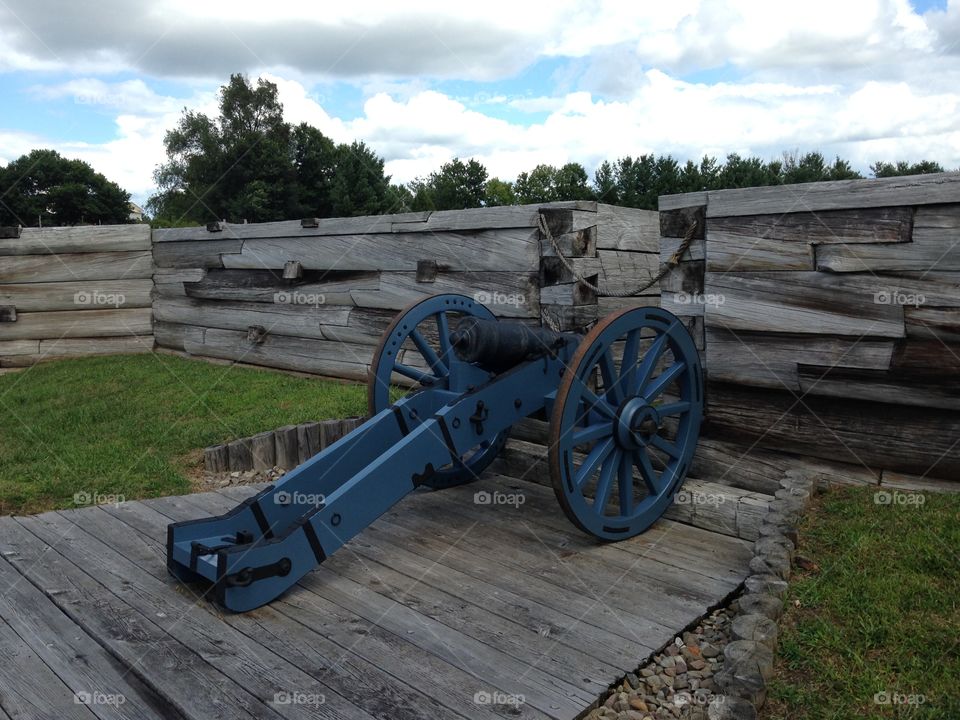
510 84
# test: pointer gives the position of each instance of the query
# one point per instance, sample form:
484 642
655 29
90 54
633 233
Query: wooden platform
445 608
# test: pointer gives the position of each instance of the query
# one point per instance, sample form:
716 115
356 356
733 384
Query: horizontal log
944 217
577 213
681 200
322 357
761 360
620 228
206 253
873 435
80 347
921 354
607 305
934 323
835 195
932 249
267 286
753 468
507 294
468 250
696 249
43 297
80 239
174 335
297 320
800 302
567 317
933 389
917 483
169 282
785 241
622 271
290 228
19 347
76 267
78 324
572 293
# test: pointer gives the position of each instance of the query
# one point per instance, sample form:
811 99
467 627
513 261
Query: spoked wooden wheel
625 422
415 352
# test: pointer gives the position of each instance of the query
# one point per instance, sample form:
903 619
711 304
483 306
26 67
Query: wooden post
285 441
308 441
240 455
262 449
216 459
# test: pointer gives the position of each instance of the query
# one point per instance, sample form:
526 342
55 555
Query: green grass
132 426
879 615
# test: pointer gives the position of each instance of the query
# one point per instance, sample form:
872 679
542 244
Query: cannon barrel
500 345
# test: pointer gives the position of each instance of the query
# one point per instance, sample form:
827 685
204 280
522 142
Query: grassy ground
874 631
131 426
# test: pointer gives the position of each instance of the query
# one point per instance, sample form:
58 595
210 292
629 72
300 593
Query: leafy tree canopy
45 189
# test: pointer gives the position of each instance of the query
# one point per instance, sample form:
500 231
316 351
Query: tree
499 192
605 184
249 164
884 169
455 186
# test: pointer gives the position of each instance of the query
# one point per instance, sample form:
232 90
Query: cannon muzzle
500 345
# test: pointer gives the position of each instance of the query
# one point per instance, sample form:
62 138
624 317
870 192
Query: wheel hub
636 422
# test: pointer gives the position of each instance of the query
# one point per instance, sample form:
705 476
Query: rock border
283 448
738 688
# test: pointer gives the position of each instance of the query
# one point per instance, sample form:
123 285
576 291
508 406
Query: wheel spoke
625 485
656 387
443 329
428 353
650 477
668 447
582 436
605 482
628 364
594 458
414 374
650 360
674 408
597 403
609 374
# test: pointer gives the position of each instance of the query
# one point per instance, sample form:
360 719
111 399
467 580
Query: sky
512 84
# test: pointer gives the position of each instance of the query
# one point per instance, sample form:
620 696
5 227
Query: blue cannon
446 383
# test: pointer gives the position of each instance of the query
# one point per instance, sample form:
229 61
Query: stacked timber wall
74 291
830 318
315 295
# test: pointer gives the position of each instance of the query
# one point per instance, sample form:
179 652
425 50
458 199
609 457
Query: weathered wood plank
279 318
899 387
267 286
194 687
81 239
322 357
19 347
138 533
622 271
44 297
934 323
507 294
800 302
504 216
762 360
567 317
784 242
917 483
468 250
682 200
59 643
577 243
873 435
620 228
77 267
169 282
607 305
246 662
80 347
206 253
932 249
290 228
78 324
696 249
835 195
